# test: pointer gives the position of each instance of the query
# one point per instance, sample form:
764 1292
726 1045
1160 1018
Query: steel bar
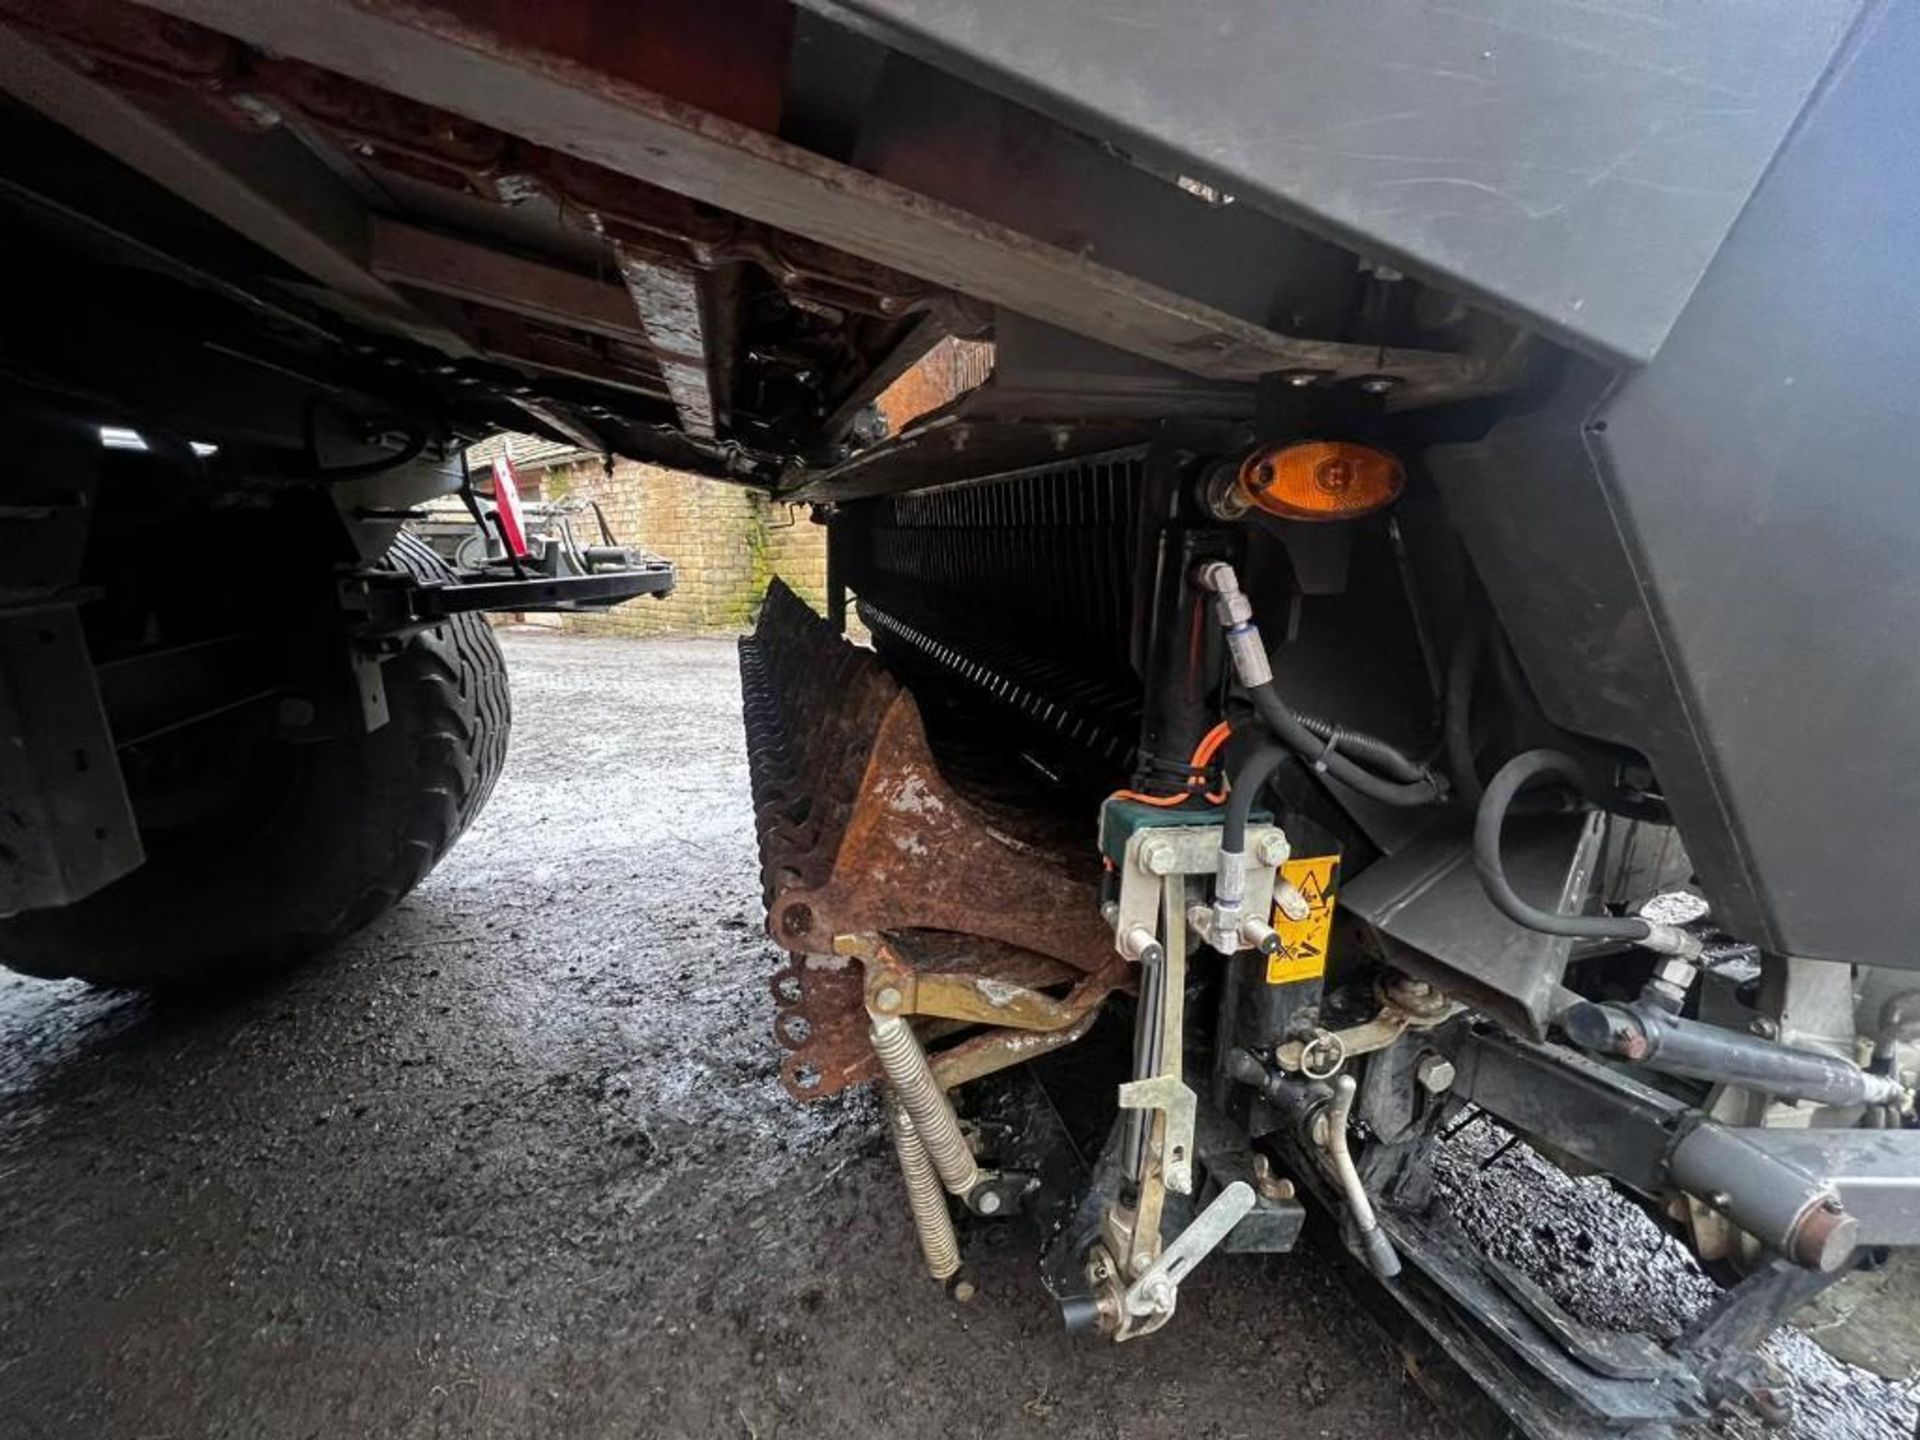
436 58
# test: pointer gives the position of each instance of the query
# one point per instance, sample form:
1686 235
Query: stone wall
726 543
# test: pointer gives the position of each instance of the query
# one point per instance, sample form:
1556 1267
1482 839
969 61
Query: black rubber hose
1394 763
1463 667
1899 1017
1286 727
1253 773
1487 822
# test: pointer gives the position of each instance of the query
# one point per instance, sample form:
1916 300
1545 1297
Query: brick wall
726 543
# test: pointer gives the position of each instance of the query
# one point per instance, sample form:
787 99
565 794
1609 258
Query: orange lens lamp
1320 480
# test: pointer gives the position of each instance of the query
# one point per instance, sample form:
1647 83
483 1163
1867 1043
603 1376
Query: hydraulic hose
1247 780
1488 821
1899 1019
1369 748
1462 669
1324 755
1318 742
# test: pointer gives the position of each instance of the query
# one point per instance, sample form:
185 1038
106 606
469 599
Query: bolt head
1273 850
1156 857
1677 972
988 1203
886 998
1435 1074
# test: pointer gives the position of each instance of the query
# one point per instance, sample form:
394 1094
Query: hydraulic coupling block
1147 846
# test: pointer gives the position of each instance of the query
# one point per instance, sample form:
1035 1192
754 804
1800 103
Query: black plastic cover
1717 559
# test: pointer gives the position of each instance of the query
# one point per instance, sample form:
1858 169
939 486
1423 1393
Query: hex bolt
1435 1074
1157 857
1272 850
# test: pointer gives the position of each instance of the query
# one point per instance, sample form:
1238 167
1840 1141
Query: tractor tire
320 838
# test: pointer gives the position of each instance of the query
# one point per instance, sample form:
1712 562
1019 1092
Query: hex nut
1435 1074
1676 971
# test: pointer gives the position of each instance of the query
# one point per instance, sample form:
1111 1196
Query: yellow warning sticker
1303 943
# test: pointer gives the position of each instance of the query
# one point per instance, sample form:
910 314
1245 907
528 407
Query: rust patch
860 834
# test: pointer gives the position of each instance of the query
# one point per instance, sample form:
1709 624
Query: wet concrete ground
516 1164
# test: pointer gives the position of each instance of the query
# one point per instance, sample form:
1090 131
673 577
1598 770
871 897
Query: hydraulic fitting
1235 613
1229 900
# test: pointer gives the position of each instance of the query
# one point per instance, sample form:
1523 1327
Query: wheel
263 850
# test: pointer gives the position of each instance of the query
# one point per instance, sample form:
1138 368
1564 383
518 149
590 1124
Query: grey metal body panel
1428 897
1574 163
1719 561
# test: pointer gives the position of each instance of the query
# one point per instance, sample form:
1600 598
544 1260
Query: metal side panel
1573 163
66 825
1716 560
1764 471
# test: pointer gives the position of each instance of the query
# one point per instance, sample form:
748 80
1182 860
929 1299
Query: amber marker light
1321 480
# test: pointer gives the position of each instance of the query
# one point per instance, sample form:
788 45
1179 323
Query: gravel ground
516 1164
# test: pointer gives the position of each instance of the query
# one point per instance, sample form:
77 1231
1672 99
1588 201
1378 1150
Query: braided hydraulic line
926 1104
931 1221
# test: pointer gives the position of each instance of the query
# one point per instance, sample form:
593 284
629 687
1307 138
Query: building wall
726 543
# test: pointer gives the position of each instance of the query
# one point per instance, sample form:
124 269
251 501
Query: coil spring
926 1104
925 1199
